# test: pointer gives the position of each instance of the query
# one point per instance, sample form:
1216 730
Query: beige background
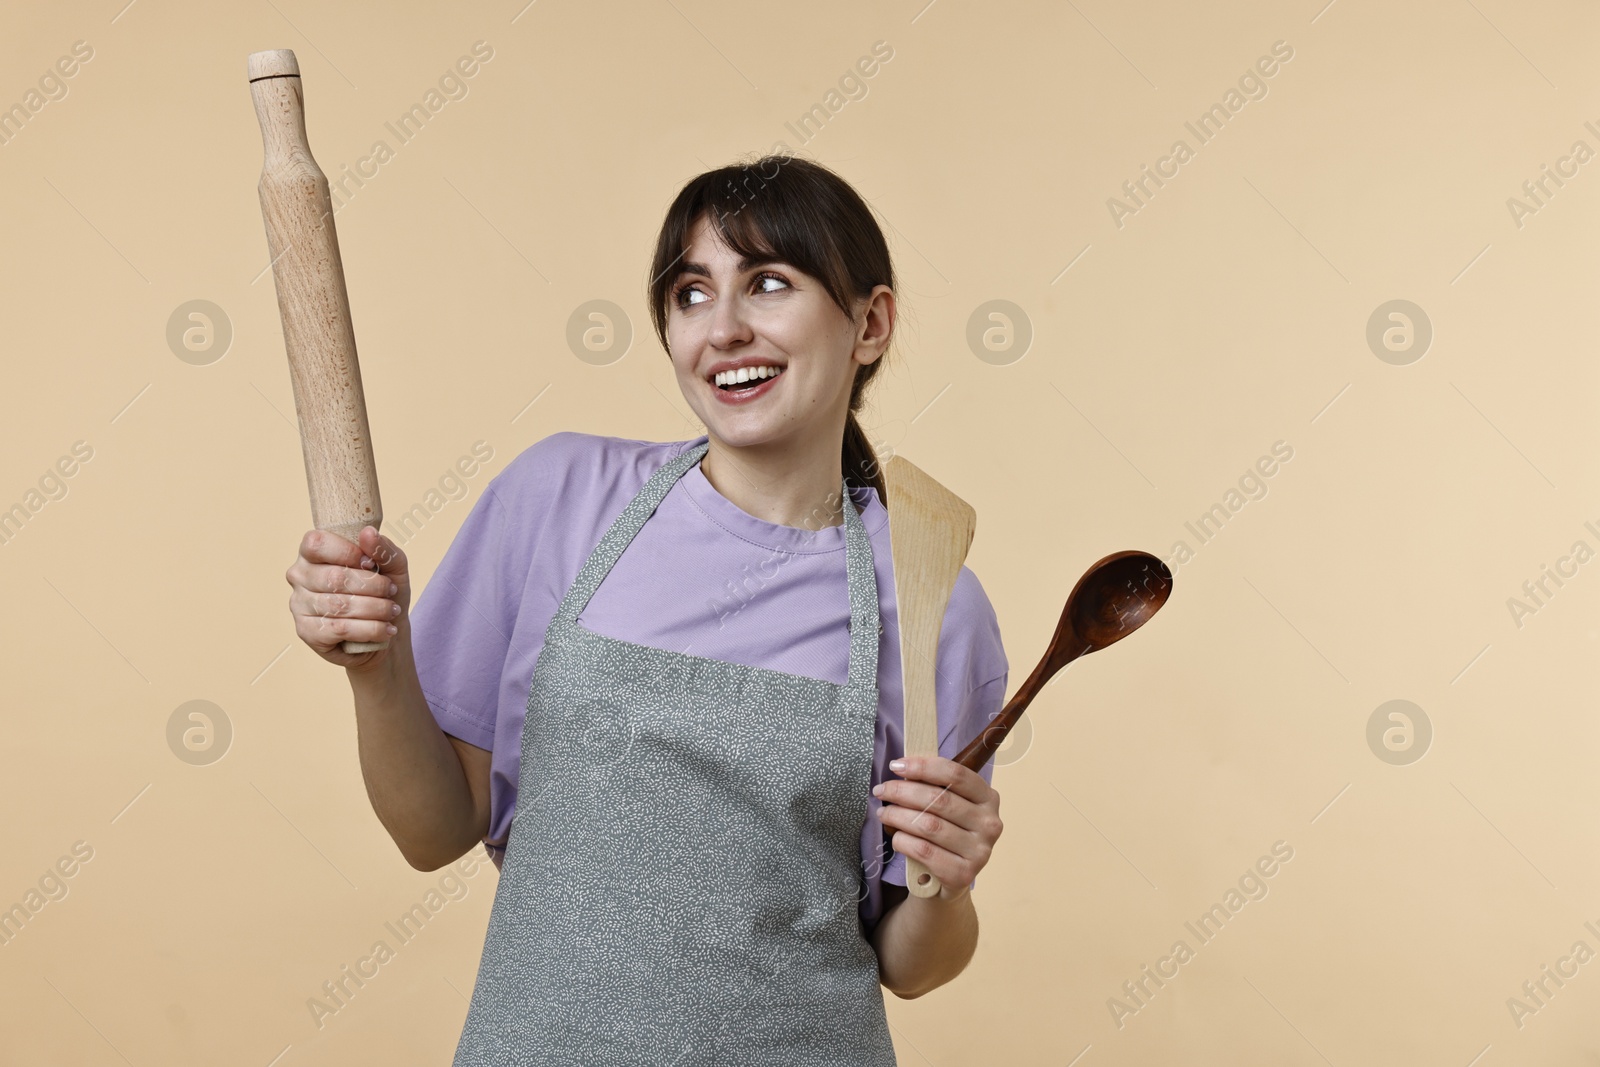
1229 313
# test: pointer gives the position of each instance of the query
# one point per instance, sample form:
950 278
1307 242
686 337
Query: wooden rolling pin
315 310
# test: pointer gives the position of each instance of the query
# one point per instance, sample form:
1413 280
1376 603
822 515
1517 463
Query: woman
676 664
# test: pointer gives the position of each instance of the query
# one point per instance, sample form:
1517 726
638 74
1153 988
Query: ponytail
858 459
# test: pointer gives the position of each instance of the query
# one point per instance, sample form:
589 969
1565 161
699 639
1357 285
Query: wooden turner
930 530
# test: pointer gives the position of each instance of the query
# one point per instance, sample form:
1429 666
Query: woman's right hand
338 594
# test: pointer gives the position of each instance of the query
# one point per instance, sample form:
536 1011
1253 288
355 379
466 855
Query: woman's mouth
745 384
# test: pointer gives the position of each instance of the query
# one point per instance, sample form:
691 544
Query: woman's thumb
382 551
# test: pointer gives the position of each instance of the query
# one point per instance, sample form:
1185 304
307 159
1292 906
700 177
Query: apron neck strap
859 568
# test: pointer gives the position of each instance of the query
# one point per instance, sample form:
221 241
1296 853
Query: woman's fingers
385 555
944 815
338 592
938 801
327 580
939 771
336 605
375 556
950 836
320 546
953 855
324 633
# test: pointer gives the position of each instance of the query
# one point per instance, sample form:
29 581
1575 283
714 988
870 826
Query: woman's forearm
948 817
924 942
414 778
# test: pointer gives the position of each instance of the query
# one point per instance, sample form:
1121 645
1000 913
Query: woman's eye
682 296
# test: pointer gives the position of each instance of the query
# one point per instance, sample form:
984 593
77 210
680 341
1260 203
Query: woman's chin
740 433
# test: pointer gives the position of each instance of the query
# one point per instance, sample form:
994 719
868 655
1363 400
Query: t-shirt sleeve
981 707
470 620
462 623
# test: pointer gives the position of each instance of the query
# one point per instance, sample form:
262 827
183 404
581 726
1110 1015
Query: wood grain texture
314 307
930 531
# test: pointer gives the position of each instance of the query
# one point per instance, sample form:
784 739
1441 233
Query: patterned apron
681 881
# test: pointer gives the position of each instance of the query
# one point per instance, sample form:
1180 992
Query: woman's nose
729 323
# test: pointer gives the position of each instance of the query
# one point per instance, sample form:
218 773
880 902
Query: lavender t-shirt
701 577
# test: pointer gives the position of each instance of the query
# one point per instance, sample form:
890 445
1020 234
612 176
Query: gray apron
681 882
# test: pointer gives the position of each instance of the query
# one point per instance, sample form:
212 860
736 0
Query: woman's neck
795 484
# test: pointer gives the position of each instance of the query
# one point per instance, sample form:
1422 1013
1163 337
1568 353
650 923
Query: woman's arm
947 817
429 790
923 942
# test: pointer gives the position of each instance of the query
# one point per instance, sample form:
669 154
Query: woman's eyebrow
746 263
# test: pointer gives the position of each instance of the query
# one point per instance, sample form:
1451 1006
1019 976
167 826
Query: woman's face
723 314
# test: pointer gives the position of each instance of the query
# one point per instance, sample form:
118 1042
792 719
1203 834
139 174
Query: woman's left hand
944 816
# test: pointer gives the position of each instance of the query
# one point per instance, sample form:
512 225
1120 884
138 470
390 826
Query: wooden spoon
1114 597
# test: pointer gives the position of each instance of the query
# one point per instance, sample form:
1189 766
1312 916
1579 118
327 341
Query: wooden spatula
930 530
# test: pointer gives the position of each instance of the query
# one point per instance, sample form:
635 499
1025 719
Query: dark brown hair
804 214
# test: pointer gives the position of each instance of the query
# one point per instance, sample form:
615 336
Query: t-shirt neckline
736 521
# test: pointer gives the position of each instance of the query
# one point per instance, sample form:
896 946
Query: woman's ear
875 324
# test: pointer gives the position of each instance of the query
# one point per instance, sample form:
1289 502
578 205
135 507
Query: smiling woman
762 276
685 803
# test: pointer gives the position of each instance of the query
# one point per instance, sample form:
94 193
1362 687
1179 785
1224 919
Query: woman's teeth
731 378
